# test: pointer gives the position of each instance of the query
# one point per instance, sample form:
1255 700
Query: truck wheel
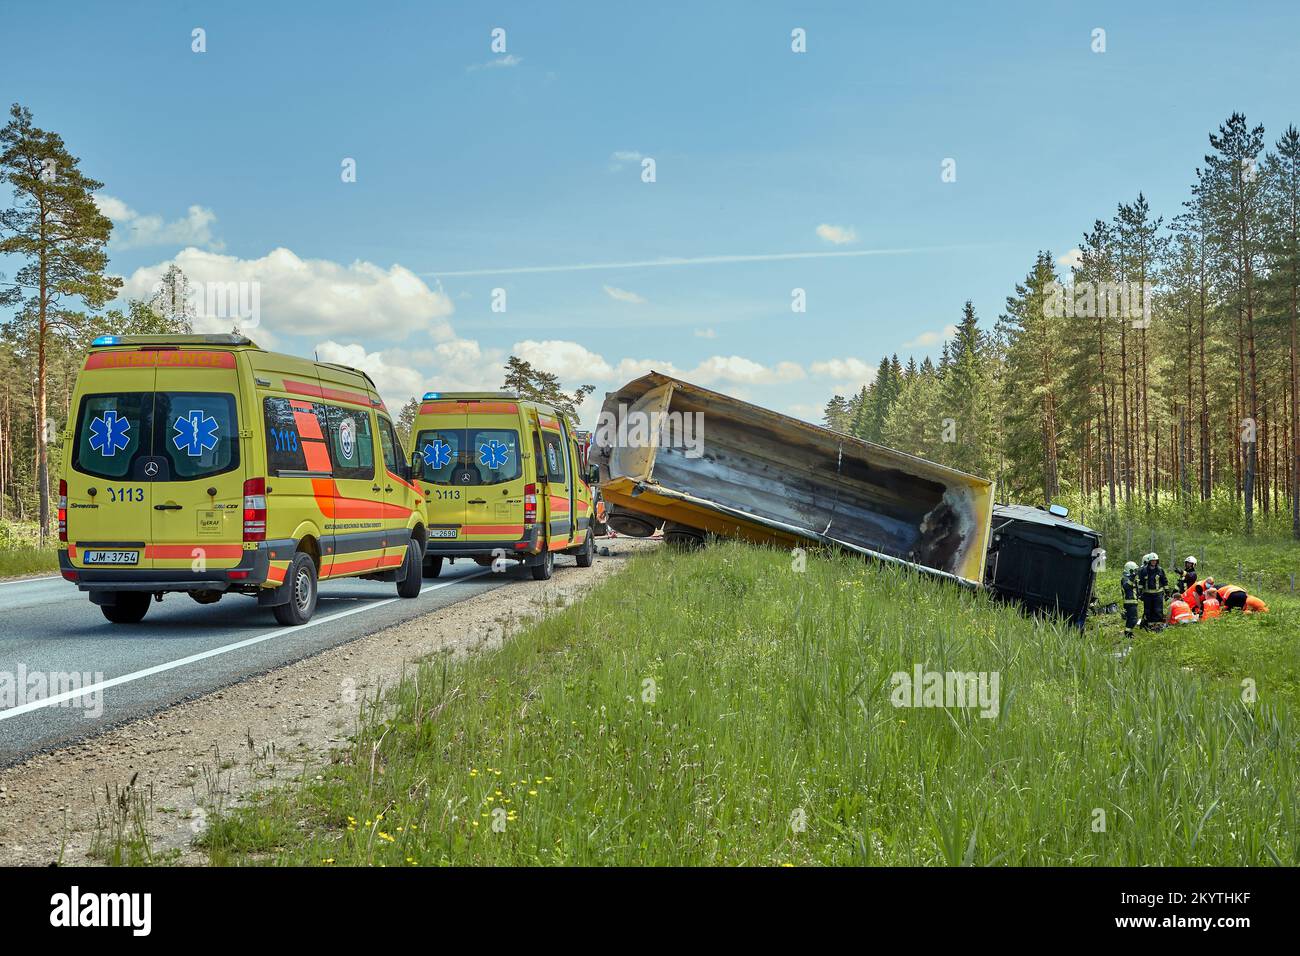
543 568
409 586
301 582
433 567
587 556
129 608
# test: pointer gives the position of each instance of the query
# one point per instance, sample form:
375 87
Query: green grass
17 562
20 550
1232 648
771 705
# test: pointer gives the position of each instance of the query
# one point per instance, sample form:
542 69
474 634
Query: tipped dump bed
701 461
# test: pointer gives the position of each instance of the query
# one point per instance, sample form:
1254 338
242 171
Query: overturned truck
696 462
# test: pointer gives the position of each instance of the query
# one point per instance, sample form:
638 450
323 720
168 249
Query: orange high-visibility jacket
1254 605
1180 613
1211 607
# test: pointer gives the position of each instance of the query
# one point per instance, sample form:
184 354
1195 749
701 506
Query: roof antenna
316 354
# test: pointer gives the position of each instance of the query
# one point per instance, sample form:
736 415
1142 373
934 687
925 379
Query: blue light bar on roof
430 396
106 340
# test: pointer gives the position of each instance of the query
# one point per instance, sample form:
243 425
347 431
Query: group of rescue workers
1194 599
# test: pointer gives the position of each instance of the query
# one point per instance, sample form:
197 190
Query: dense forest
1153 369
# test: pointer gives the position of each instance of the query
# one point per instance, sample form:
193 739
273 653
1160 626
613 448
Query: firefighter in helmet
1152 581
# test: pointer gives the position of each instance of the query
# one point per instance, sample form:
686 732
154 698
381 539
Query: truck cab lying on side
202 464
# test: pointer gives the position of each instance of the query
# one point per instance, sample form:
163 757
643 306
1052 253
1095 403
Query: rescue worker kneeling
1180 613
1152 582
1236 599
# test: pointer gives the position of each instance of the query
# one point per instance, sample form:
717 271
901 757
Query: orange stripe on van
548 422
306 420
186 551
442 408
160 358
334 505
506 529
559 504
338 395
315 456
492 408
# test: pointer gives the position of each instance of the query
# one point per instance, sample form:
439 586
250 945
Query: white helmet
1190 559
1130 566
1150 556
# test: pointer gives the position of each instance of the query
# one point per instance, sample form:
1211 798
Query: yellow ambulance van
503 480
203 464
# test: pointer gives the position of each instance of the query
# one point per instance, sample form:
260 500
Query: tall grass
721 707
21 550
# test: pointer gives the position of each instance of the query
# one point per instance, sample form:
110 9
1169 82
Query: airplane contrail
693 261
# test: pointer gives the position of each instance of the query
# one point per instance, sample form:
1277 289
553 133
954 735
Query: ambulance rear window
469 456
197 431
112 432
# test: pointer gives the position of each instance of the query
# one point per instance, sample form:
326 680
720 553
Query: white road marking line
215 652
51 577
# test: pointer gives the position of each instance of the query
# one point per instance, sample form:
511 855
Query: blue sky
472 163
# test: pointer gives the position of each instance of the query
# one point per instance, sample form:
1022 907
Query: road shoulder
154 781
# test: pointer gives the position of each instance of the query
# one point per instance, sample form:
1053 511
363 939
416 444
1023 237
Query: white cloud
131 230
930 339
839 235
395 382
575 364
502 61
848 374
312 296
739 370
705 334
623 295
1072 259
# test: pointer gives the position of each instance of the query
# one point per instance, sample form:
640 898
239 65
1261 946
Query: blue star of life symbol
108 433
196 432
437 455
494 454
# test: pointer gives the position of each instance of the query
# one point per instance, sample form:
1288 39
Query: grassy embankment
721 708
21 553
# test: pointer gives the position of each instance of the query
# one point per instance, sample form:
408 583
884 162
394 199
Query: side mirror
593 474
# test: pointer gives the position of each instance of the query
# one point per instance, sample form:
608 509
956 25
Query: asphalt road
179 651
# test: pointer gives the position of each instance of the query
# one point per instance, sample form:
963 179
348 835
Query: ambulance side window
351 443
388 442
555 468
284 446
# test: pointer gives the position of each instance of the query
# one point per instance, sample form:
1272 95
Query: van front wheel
301 582
409 586
587 556
129 608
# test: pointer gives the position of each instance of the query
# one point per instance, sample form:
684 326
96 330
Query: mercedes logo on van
151 469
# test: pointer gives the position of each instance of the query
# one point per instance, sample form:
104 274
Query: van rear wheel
303 592
130 607
544 566
409 586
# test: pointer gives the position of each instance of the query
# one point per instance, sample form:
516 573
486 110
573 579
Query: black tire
587 556
130 607
433 567
302 590
409 587
543 568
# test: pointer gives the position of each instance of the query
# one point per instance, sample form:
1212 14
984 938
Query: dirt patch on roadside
198 757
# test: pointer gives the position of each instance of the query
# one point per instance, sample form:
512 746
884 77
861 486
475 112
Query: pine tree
57 232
